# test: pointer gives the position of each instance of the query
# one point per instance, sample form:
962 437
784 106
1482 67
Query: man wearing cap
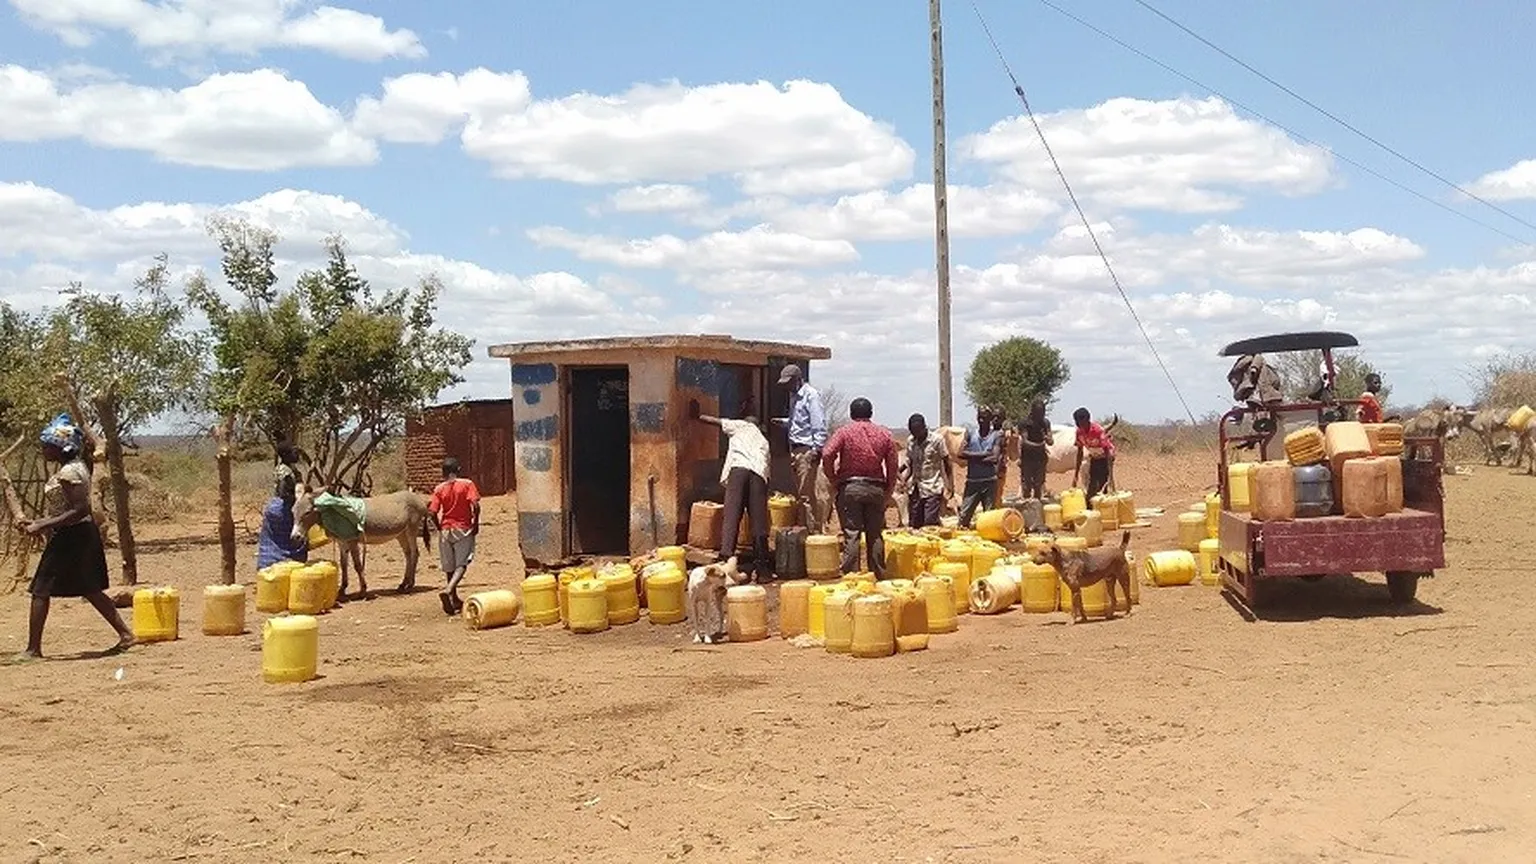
807 427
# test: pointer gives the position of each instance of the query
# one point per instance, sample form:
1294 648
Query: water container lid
293 622
619 576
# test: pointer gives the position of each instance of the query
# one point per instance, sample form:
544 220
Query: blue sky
708 201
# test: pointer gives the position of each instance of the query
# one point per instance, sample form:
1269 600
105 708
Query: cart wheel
1402 586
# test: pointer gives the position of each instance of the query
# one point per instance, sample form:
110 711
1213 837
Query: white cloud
191 27
1183 154
259 120
422 108
1195 292
41 224
658 198
1515 183
799 139
1216 254
48 240
908 214
756 248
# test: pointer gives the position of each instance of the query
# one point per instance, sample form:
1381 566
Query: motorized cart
1405 546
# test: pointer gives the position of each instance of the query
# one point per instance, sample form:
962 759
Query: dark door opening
740 395
597 461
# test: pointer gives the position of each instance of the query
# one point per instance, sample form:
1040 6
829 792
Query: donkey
399 516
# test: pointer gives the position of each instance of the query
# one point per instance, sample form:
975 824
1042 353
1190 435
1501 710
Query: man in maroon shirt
860 460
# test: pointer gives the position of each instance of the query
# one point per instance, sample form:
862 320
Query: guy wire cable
1330 115
1018 90
1281 126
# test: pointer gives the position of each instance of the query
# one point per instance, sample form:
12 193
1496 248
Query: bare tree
1508 381
835 405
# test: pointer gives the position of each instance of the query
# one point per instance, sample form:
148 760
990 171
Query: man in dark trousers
744 475
930 484
983 451
1034 438
860 460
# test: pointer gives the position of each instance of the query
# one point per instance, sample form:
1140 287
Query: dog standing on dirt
1080 568
707 585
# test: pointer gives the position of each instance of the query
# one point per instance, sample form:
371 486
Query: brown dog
1105 564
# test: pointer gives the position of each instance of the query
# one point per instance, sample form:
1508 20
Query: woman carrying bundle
74 563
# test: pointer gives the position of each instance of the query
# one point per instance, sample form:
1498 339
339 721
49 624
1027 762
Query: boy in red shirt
1370 403
455 508
1094 442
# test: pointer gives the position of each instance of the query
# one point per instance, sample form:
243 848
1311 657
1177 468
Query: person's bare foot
123 644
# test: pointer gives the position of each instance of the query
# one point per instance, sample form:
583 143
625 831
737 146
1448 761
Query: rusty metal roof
698 342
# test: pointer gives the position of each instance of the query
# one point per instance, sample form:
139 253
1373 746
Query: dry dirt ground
1335 730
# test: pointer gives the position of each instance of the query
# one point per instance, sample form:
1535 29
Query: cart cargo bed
1410 541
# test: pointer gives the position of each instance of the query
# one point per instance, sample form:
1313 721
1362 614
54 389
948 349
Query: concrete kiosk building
607 461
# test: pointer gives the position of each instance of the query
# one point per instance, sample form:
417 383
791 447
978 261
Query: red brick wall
478 434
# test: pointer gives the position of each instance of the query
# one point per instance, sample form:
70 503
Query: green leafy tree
328 364
372 362
1014 372
24 405
255 341
23 378
133 359
1300 375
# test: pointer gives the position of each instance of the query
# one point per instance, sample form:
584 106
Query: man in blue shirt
807 427
982 453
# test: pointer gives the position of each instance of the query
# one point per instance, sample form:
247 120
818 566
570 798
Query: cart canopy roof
1284 342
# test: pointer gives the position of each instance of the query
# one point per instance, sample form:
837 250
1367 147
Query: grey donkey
399 516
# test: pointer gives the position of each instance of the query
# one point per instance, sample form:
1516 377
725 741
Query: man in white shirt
744 475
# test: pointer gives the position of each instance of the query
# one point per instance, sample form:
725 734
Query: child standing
1094 442
455 507
1370 401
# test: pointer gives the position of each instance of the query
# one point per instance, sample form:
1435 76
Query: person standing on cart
1370 400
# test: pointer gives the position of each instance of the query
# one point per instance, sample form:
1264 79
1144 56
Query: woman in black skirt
74 563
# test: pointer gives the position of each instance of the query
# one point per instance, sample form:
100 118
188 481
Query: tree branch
12 501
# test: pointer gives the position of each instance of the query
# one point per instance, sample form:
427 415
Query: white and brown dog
706 598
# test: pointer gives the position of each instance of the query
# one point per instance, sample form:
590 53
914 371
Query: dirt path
1336 731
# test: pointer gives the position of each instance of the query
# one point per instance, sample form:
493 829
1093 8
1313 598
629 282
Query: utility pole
941 216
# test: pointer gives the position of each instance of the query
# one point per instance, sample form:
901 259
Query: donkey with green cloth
357 523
